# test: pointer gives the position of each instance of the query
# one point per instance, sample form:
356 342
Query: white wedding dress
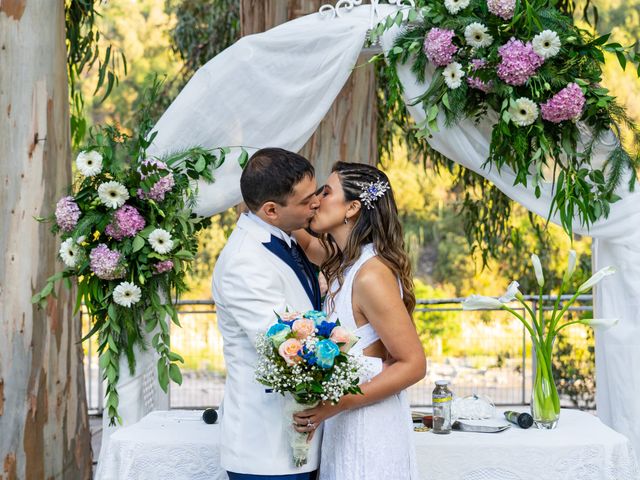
372 442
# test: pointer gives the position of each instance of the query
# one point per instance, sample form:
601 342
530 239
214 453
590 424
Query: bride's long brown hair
379 225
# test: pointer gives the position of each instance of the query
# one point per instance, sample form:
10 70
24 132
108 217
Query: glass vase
545 403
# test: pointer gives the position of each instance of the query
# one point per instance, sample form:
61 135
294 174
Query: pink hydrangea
475 82
126 222
567 104
163 266
502 8
439 47
105 263
163 186
67 213
519 62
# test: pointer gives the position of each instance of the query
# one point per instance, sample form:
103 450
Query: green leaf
174 357
200 164
138 243
175 374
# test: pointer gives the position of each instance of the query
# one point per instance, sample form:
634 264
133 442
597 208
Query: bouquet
539 76
543 327
306 357
128 238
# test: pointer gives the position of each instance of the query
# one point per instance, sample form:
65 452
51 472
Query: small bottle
442 398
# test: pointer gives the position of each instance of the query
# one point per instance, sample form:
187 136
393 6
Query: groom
260 271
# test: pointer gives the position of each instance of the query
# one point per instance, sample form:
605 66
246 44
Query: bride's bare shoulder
374 277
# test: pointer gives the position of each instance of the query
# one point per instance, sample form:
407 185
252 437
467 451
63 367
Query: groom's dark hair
270 175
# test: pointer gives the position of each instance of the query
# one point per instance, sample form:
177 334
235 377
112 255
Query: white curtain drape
274 88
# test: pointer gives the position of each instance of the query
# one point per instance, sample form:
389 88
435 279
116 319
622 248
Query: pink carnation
439 47
502 8
519 62
106 264
126 223
67 213
162 267
567 104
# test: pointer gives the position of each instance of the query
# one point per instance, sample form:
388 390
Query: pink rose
303 327
289 351
342 335
288 316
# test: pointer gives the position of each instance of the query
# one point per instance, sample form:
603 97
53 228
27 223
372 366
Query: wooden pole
44 430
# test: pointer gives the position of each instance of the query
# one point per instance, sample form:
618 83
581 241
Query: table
177 445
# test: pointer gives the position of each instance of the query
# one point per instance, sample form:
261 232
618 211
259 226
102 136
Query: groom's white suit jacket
250 283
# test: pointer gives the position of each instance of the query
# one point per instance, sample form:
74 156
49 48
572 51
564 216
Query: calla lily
537 267
596 277
511 293
571 266
602 323
477 302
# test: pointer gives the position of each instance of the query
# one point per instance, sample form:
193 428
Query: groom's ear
270 210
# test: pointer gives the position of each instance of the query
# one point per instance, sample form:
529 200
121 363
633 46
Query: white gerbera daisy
546 44
160 241
453 75
89 163
523 112
476 35
70 253
454 6
113 194
127 294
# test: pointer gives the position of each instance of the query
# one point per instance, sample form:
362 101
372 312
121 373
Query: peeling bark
348 131
43 412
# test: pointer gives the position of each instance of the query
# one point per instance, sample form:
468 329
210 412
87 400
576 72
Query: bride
361 254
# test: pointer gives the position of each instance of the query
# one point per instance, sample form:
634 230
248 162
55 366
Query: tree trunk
348 132
44 430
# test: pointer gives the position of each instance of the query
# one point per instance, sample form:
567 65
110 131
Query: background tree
43 412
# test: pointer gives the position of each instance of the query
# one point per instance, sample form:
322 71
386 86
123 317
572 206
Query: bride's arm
311 245
377 294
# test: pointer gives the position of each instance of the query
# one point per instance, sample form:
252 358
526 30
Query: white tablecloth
178 445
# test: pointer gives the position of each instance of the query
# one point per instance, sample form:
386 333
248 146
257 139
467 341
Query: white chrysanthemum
546 44
523 112
477 35
113 194
160 241
453 74
454 6
70 253
89 163
127 294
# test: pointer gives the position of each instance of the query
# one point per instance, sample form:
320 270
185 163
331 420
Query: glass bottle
442 398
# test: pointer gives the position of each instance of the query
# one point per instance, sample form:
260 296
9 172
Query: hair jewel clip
372 192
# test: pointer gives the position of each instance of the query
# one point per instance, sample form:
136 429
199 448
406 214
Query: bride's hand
307 421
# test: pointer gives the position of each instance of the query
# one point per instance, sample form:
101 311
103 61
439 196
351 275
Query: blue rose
325 328
316 315
326 352
278 333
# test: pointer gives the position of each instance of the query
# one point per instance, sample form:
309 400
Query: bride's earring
346 220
